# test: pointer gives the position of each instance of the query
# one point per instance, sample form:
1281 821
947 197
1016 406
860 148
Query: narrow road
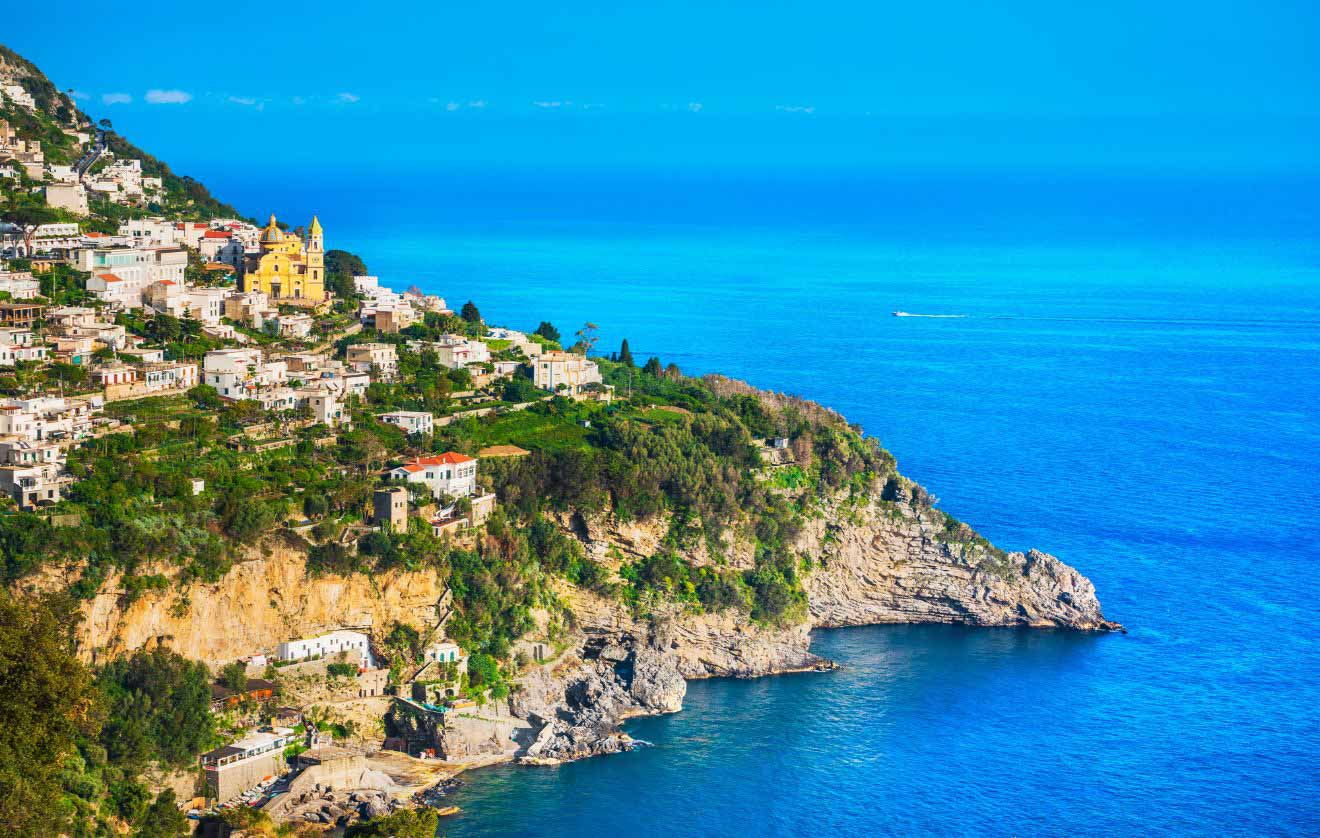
92 155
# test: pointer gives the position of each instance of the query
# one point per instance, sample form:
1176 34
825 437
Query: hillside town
294 543
108 333
270 326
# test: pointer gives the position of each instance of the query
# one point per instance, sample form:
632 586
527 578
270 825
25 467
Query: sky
1220 85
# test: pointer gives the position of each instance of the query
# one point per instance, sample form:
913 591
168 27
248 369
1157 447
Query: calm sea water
1135 386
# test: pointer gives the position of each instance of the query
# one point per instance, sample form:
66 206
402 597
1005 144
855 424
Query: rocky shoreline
621 663
879 569
866 562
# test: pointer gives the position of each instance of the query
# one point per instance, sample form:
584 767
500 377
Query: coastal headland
303 545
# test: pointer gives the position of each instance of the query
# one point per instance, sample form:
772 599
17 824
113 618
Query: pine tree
625 355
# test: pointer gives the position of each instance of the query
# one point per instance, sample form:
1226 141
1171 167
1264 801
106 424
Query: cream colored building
377 358
565 372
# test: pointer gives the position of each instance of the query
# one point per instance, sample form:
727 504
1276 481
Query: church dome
272 234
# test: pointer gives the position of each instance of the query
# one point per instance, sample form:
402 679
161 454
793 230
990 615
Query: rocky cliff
875 562
894 564
266 599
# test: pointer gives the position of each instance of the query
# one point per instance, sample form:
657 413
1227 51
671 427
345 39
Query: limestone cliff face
264 601
891 564
701 645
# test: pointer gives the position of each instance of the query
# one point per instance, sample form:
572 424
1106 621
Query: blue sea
1133 384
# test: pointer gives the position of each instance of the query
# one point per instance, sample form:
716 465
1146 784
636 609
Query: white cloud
348 98
168 97
695 107
807 109
453 106
548 104
298 100
78 94
246 101
477 103
115 98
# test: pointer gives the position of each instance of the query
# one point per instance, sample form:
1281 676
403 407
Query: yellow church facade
286 269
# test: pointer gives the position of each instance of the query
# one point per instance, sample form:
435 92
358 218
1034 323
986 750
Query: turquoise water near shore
1135 388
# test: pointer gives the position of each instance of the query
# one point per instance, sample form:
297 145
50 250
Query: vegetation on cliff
73 747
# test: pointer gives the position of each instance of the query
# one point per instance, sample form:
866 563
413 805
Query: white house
120 275
23 352
295 326
113 289
22 452
167 262
16 336
328 645
412 421
455 351
565 372
448 474
169 375
366 285
19 285
324 404
150 231
48 417
444 651
34 485
216 245
239 373
275 398
59 235
207 304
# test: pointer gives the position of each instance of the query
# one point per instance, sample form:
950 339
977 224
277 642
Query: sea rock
657 686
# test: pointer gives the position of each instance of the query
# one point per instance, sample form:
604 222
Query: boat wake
936 316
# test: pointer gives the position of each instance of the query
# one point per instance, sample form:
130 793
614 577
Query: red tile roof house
111 288
447 474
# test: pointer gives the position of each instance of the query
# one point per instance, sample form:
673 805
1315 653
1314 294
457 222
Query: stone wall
229 781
